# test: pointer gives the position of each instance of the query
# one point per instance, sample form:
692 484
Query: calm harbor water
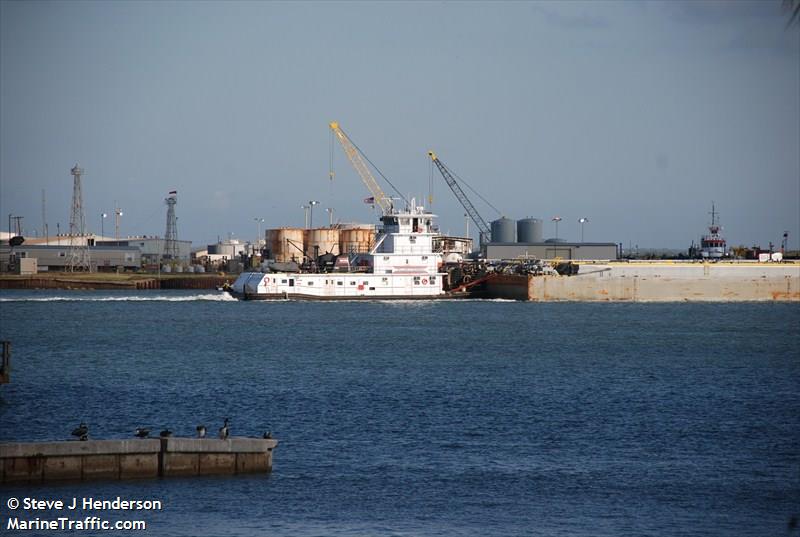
426 418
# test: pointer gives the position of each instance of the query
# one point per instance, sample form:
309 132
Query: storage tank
529 230
285 244
356 240
504 230
322 241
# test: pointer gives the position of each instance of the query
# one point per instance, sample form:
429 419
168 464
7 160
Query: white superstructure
401 264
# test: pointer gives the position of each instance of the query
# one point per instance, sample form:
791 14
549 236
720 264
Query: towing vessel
402 264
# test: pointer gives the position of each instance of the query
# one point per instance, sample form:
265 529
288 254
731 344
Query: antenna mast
79 258
171 236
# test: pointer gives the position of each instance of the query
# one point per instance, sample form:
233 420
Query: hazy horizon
635 115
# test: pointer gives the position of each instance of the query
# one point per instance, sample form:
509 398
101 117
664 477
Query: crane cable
376 168
430 183
475 192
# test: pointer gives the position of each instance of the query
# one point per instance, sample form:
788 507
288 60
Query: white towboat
402 264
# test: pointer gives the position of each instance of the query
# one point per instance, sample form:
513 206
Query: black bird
82 432
166 433
268 435
201 431
224 431
141 432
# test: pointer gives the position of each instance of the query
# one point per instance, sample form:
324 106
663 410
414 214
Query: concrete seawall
36 462
657 282
110 281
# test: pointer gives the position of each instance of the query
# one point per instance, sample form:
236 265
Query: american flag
173 192
370 200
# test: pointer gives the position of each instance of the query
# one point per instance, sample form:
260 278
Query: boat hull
338 286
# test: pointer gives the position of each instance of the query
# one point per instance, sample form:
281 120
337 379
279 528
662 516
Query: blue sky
636 115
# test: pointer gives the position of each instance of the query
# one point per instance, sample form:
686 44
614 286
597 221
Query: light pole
556 219
582 221
259 221
311 212
103 217
329 210
117 214
466 224
305 214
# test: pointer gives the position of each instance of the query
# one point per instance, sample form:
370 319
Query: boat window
310 283
424 257
404 221
366 283
433 279
386 258
385 280
412 239
371 288
340 283
283 281
352 283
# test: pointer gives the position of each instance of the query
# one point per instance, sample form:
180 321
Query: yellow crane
357 160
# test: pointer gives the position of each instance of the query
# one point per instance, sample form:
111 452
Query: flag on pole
370 200
173 192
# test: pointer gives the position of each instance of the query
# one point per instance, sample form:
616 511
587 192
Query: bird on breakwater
201 431
267 435
141 432
166 433
82 432
224 431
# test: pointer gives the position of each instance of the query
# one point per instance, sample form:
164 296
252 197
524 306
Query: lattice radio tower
171 236
79 258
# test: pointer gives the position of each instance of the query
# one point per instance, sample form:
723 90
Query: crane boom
381 199
485 233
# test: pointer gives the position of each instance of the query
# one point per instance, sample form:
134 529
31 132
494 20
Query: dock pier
38 462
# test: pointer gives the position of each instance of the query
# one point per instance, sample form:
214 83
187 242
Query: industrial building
152 248
552 250
512 239
56 257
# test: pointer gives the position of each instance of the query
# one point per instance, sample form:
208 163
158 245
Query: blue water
426 418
